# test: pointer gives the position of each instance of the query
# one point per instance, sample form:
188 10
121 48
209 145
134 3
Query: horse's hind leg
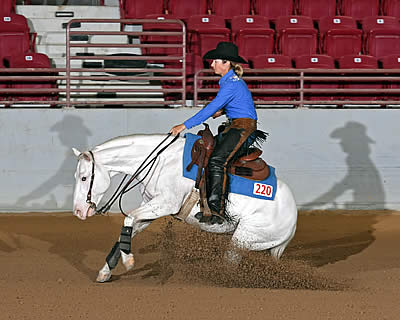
276 252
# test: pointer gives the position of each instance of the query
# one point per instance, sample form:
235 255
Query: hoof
128 261
103 277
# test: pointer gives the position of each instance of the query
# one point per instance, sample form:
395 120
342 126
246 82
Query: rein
120 192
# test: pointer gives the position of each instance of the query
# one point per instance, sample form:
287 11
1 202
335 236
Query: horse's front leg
121 249
137 221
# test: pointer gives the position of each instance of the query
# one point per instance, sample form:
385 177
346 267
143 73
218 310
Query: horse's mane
122 141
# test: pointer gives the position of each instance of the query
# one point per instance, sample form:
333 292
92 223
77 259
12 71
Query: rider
235 100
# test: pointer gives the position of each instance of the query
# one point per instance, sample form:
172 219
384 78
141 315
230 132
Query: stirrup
209 219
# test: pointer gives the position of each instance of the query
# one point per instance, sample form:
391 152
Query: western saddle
250 165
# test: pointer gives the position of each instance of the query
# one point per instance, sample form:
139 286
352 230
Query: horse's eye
83 178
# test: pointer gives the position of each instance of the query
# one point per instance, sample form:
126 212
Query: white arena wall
331 159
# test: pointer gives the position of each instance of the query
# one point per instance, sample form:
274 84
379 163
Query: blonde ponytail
237 68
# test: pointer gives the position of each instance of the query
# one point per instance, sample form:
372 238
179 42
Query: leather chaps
229 145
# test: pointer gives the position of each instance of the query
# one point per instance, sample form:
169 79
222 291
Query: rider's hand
218 113
177 129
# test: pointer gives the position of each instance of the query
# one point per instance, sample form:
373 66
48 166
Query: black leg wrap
113 256
125 239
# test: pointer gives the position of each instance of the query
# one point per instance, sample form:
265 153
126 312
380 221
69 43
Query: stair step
52 37
43 25
88 84
109 84
80 12
53 50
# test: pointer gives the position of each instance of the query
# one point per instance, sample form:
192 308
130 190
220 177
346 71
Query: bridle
89 194
120 192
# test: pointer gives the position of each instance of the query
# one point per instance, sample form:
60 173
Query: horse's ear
76 152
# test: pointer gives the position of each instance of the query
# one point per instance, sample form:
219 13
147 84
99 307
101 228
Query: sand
340 265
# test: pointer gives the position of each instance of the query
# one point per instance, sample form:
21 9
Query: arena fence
149 68
311 87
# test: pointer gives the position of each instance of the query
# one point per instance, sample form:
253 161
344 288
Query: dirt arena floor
338 266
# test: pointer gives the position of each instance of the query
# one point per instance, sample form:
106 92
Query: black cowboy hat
225 51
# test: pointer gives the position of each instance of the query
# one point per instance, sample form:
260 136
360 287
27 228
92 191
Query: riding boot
215 188
226 149
211 205
217 178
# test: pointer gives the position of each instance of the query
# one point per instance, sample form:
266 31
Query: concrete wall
344 159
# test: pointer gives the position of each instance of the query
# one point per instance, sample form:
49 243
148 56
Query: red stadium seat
32 60
295 36
317 62
183 9
194 63
162 39
136 9
379 22
7 7
392 62
381 36
228 9
273 61
317 8
205 32
358 9
360 62
252 35
339 36
273 9
14 36
391 8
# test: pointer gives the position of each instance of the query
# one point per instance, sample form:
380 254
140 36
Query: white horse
257 224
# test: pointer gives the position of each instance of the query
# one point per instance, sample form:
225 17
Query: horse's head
91 182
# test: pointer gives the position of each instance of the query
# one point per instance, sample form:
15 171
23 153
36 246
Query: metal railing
161 78
18 86
141 72
157 40
313 87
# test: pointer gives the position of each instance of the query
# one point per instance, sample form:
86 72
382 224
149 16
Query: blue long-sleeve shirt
233 95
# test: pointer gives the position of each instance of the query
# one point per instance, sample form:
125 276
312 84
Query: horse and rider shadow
363 182
362 179
71 132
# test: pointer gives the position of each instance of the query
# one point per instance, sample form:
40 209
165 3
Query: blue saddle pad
264 189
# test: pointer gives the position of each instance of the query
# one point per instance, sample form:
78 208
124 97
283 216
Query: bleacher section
305 34
50 22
